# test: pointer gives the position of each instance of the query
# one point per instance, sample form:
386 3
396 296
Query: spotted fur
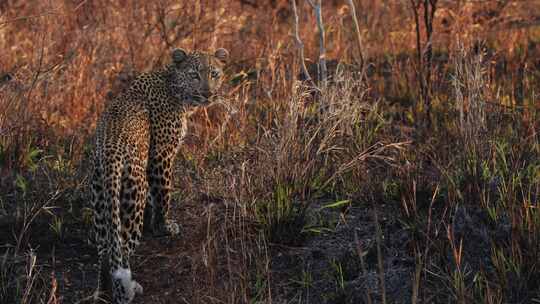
137 138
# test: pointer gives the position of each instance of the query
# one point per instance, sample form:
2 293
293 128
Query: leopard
137 138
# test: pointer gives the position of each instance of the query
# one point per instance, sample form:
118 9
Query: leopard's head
195 76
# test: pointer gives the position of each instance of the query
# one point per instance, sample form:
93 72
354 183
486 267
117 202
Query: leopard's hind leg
133 194
113 258
99 234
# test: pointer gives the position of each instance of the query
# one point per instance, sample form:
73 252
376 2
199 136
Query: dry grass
259 163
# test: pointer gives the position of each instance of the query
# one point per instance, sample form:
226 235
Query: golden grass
272 146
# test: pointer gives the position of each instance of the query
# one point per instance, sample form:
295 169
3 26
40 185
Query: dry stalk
33 215
425 55
358 36
362 264
373 152
380 256
469 85
422 257
417 277
31 273
53 299
300 44
322 45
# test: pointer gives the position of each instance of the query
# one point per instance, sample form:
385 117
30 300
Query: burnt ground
324 268
161 265
327 267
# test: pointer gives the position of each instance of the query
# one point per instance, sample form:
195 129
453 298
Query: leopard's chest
169 128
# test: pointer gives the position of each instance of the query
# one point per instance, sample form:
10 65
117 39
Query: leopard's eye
215 74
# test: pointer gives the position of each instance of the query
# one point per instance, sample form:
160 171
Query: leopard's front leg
168 127
160 181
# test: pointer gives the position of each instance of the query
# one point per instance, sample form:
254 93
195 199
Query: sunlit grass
273 155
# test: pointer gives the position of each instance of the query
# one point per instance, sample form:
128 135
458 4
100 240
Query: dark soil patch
327 269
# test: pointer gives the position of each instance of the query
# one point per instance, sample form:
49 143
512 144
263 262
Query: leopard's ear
222 54
178 56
